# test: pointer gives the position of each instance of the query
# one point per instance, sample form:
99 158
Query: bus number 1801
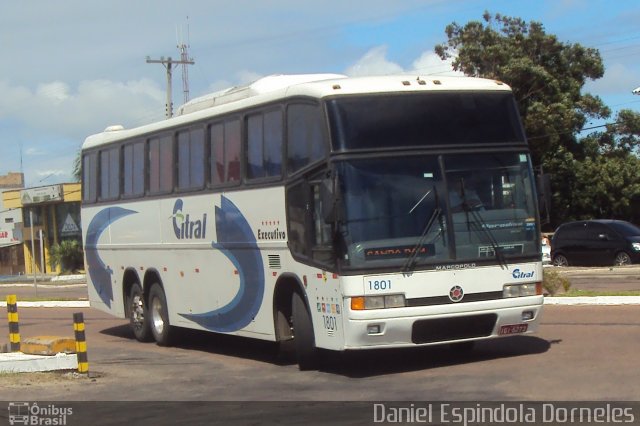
379 285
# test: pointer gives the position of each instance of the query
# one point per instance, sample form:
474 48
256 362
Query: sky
71 68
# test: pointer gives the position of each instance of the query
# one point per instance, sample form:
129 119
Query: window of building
133 165
305 131
191 159
161 164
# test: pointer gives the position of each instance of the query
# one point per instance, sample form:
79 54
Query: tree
77 166
67 254
607 182
547 77
545 74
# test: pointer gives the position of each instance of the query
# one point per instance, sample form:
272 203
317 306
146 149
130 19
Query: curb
593 300
18 362
51 304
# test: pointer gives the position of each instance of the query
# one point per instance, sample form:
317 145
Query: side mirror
327 199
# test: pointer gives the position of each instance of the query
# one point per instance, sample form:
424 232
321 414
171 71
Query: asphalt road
580 353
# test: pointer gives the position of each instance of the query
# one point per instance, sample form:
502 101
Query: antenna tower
185 60
168 63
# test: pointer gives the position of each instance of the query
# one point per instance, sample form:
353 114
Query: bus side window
264 145
309 233
109 174
232 143
273 136
298 204
216 141
321 250
161 166
90 177
191 159
133 170
305 130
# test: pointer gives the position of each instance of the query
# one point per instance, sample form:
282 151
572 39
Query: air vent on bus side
274 261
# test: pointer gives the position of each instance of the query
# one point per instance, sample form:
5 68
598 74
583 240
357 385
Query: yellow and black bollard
81 343
14 330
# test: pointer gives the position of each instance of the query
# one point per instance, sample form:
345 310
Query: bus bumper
406 327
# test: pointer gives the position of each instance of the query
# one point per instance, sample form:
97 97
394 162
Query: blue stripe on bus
98 272
237 242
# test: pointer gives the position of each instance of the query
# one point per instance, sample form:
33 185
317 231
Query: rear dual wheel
161 329
149 317
138 315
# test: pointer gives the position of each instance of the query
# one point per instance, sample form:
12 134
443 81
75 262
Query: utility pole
168 63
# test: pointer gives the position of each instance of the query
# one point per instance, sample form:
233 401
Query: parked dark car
596 242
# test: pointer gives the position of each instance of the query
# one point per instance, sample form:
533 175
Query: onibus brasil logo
25 413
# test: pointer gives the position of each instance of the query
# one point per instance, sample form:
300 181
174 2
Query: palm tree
67 254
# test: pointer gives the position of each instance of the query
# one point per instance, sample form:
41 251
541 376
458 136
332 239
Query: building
11 252
49 215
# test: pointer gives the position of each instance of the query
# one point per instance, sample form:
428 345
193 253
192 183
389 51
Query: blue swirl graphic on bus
237 242
99 273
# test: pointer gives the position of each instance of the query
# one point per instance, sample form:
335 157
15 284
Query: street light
636 91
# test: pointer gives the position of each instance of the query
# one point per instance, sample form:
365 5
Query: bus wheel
303 337
137 312
159 316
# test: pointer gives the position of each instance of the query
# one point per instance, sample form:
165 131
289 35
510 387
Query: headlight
361 303
636 246
521 290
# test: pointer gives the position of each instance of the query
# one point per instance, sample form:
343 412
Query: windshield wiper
421 200
437 213
480 226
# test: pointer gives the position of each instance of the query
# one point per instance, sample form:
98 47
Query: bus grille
444 300
455 328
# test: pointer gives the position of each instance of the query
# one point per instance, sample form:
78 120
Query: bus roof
277 87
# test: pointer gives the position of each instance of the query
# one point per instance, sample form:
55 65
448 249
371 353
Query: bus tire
159 324
138 315
303 336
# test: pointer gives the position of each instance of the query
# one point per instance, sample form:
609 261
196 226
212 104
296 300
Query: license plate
513 329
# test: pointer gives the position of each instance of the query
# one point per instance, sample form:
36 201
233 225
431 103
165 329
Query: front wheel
303 336
159 316
622 259
560 260
138 315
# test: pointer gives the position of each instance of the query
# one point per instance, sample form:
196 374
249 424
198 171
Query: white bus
337 213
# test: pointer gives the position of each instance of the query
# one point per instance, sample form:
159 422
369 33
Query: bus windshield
437 210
